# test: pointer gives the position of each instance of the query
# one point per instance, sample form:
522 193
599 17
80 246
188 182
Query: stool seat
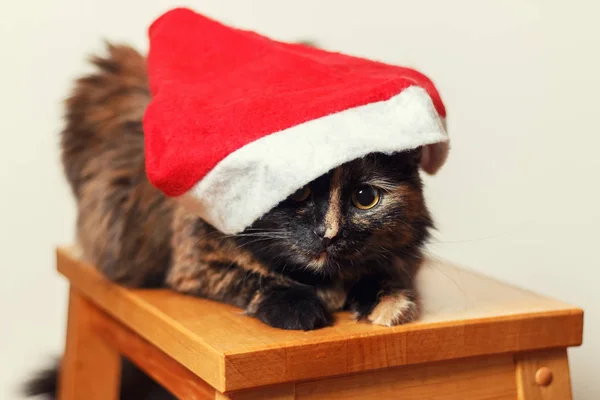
477 338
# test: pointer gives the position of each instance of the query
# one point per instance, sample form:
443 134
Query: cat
352 239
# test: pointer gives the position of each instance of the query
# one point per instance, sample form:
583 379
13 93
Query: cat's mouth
319 261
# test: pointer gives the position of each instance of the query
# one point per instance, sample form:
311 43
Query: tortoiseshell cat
352 239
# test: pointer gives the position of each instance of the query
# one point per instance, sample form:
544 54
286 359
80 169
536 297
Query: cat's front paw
296 308
395 309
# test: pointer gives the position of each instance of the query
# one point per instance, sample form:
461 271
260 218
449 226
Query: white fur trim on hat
255 178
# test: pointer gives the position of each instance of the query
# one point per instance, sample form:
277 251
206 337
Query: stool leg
90 368
543 375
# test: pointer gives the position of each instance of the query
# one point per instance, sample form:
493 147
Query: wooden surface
482 378
95 335
284 391
91 368
465 315
174 377
532 367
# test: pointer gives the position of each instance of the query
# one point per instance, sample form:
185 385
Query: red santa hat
238 121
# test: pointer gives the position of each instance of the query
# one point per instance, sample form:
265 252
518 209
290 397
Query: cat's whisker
266 234
262 230
219 236
284 265
252 242
266 246
406 224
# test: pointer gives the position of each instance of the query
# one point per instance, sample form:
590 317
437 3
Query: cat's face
366 210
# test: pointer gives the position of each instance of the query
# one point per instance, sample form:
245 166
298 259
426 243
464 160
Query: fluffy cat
352 239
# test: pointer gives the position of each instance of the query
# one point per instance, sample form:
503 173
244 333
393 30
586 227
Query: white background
518 198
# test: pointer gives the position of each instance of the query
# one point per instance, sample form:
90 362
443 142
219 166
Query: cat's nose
325 237
326 241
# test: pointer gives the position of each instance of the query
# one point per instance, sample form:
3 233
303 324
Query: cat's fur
291 269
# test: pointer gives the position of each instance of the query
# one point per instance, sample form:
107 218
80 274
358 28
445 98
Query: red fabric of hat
238 121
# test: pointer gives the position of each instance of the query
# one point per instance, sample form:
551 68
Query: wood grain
174 377
158 328
90 368
284 391
465 315
482 378
488 378
528 365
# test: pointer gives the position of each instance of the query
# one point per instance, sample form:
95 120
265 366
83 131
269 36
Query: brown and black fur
291 269
278 270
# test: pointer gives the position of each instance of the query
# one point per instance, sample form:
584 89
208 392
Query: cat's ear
433 156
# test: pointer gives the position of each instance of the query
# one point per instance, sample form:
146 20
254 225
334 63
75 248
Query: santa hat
238 121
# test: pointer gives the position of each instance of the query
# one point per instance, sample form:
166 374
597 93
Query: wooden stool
477 339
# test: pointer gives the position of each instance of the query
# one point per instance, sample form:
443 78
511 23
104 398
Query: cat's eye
365 197
301 194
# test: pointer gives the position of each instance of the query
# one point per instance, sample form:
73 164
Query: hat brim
249 182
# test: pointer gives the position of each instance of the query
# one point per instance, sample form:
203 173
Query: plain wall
518 198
